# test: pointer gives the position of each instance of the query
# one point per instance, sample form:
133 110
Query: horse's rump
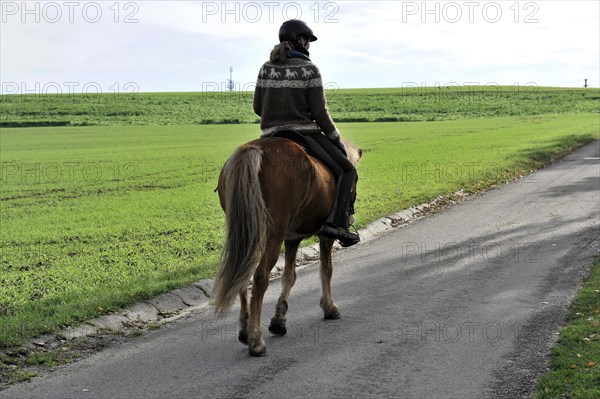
299 190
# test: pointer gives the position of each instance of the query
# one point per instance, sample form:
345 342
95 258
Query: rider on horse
289 96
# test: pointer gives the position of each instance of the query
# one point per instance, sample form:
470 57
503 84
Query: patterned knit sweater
291 96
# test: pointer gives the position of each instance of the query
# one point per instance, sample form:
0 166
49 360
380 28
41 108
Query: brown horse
272 192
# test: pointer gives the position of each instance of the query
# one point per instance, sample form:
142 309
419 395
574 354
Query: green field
97 217
359 105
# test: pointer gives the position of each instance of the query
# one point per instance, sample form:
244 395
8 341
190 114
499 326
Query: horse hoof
332 315
277 327
258 353
243 338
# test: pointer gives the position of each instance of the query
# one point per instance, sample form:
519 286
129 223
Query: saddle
299 139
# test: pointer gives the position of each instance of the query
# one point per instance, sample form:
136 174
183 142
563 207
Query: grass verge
575 361
23 364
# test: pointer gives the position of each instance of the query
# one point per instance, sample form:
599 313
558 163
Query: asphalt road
464 303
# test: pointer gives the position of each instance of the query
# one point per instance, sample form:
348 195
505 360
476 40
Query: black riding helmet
293 28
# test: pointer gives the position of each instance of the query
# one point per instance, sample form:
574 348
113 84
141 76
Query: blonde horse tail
246 222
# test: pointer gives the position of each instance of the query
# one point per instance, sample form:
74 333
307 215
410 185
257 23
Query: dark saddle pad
296 137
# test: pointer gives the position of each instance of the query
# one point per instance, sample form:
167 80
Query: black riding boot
337 222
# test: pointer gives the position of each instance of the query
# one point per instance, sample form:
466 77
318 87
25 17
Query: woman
289 95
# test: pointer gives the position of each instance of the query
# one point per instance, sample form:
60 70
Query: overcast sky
75 46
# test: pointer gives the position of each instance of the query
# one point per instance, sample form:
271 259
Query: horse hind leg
243 334
278 322
330 309
256 343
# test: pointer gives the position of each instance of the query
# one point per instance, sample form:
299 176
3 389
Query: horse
272 192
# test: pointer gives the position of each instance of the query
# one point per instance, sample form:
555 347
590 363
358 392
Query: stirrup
351 242
342 234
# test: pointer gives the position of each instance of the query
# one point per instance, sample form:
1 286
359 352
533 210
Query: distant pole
230 84
585 84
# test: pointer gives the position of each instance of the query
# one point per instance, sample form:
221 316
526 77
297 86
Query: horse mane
353 152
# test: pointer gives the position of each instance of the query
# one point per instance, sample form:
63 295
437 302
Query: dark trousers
343 170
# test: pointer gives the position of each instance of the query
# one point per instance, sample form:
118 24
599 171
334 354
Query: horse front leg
256 343
330 309
278 322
